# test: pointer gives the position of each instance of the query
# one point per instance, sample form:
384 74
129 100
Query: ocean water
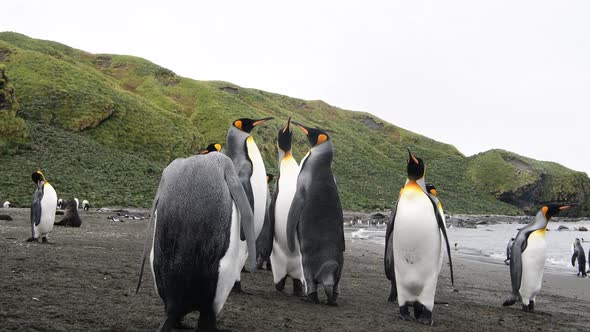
491 240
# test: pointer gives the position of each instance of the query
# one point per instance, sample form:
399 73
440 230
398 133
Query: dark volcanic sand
85 279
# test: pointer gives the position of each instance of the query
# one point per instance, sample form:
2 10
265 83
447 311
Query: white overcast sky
476 74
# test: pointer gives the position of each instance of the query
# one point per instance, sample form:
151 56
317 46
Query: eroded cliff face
527 183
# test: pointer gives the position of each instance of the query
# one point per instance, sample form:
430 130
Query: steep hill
102 127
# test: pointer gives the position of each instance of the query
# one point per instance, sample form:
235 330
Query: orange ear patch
322 138
238 124
218 147
545 209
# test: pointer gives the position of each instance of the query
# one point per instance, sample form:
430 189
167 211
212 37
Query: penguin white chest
533 264
258 183
417 248
48 207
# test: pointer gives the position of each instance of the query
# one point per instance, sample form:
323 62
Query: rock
5 217
582 229
562 228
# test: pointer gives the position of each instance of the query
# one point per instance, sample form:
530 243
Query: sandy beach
85 278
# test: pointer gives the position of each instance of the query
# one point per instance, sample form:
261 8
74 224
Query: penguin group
213 216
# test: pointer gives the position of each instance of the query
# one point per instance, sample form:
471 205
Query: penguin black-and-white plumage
509 251
247 160
527 259
285 263
6 205
194 231
60 203
85 205
43 208
580 256
413 247
315 218
265 238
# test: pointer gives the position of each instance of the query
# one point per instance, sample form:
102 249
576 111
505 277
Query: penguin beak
302 127
287 126
412 157
565 207
257 122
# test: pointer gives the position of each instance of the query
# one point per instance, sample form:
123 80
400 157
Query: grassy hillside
103 127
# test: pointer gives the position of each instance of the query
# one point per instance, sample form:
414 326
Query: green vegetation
102 127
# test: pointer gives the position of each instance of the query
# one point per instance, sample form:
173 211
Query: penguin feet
312 298
423 315
44 239
530 307
404 313
298 288
268 266
32 240
510 301
331 294
280 286
238 289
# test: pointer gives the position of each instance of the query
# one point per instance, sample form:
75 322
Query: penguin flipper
443 230
36 206
246 212
297 206
574 257
388 256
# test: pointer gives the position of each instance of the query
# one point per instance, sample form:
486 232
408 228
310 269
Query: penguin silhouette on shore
527 259
315 218
413 247
193 238
43 208
579 256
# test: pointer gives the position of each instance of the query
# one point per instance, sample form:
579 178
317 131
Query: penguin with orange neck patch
413 247
43 208
315 218
527 259
247 160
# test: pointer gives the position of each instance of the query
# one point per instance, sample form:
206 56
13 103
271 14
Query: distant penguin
413 246
6 205
71 217
265 238
60 204
85 205
316 220
194 234
43 208
527 260
246 157
285 263
509 251
580 256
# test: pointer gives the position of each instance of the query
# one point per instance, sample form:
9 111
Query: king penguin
413 257
527 259
580 256
247 160
285 263
315 218
265 238
194 232
43 208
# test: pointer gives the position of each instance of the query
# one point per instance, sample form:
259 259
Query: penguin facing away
193 237
413 247
580 256
43 208
316 220
265 238
285 263
527 259
248 163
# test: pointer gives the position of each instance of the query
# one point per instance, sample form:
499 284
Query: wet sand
85 280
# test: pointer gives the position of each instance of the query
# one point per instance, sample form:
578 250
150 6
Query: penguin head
431 189
285 135
269 177
416 168
37 177
213 147
314 135
246 124
551 210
